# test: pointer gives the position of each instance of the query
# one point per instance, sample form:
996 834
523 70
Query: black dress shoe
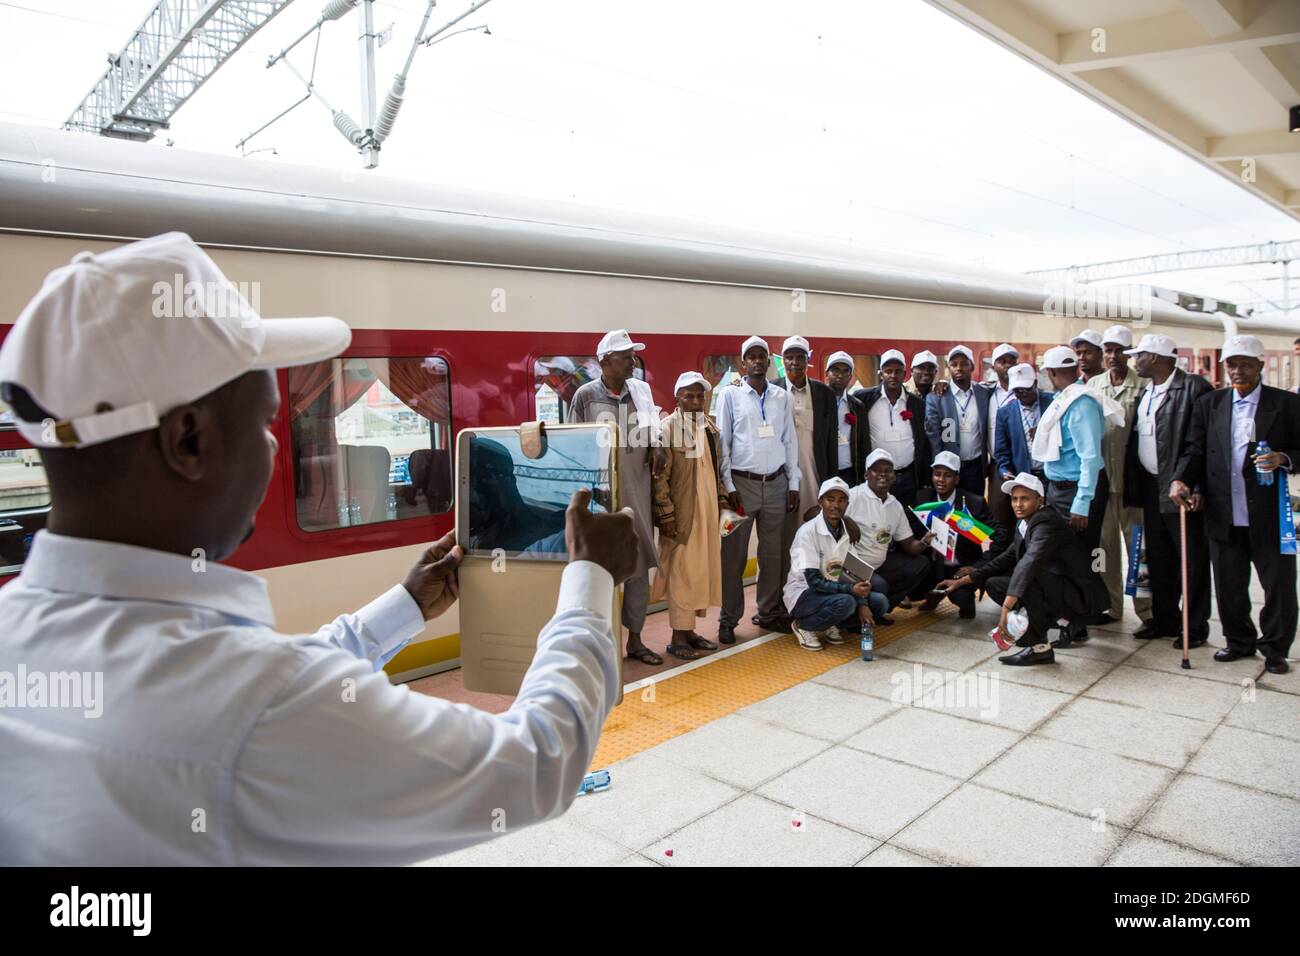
726 634
966 612
1194 642
1147 631
1071 634
1027 656
782 625
1227 655
1279 666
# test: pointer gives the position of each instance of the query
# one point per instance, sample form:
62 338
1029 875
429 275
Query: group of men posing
1058 483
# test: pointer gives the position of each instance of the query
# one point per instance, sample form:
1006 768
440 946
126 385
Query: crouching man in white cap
688 496
291 749
619 396
1045 571
821 600
905 571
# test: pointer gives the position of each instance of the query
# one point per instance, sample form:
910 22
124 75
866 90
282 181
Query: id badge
966 427
1146 426
844 439
766 431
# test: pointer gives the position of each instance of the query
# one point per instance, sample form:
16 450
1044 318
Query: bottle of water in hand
1265 478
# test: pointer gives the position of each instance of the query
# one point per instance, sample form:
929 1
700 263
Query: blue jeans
817 612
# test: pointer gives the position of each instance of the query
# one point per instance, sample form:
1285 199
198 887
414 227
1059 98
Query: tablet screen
516 504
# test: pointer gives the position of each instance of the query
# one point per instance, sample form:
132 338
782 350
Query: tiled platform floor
936 754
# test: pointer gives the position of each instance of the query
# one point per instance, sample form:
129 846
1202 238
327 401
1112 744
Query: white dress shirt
968 423
756 433
1243 433
889 431
1149 403
222 741
845 435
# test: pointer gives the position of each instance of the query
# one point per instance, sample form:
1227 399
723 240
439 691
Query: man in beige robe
688 495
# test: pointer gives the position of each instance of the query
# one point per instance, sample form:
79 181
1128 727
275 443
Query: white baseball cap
796 342
923 357
1242 345
879 455
832 484
1118 335
1156 345
1024 480
1021 376
1060 356
948 460
1006 348
115 340
836 357
617 341
691 378
958 350
893 355
750 342
1086 337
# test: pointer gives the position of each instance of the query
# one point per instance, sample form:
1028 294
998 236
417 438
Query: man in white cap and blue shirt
896 424
1242 443
214 739
1121 384
620 397
760 470
958 420
1162 420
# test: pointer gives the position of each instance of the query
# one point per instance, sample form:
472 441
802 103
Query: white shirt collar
109 569
1252 398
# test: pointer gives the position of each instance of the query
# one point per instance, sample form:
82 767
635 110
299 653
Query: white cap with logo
892 355
1118 335
1239 346
1006 348
691 378
1156 345
1060 356
115 340
617 341
839 358
879 455
1021 376
958 350
1086 337
1024 480
797 342
949 460
832 484
750 342
925 357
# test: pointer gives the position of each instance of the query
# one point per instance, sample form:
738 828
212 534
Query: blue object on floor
594 781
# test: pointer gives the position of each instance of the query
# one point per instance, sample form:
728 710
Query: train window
866 372
371 440
555 379
724 370
24 504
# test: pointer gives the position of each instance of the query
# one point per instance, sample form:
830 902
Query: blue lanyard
762 405
1151 399
961 409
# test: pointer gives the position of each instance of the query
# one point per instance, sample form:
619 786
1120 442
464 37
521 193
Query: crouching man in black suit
967 554
1046 570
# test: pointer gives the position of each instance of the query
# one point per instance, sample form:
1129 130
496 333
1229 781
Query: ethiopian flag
968 527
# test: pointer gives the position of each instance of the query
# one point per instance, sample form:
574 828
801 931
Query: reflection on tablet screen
517 503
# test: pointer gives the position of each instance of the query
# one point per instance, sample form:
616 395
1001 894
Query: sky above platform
883 123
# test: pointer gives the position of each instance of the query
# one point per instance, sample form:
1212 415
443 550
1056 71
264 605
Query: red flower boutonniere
850 418
905 415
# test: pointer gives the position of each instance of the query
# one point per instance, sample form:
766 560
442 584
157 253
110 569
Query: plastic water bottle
868 643
1262 476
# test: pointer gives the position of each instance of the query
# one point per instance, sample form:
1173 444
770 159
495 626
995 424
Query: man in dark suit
1219 471
896 424
850 440
967 554
1017 422
958 420
1160 428
1046 570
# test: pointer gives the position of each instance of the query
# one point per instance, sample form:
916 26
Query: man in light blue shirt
150 712
760 471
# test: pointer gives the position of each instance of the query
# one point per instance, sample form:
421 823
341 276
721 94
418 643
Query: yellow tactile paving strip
677 705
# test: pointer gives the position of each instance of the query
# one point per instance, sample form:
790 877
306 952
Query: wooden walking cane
1182 533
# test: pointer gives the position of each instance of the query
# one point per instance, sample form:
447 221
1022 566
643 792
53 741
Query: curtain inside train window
555 379
371 440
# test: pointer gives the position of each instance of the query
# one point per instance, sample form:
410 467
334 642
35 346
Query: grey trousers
636 595
765 507
1120 519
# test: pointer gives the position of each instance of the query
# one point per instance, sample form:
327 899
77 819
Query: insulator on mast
388 113
336 8
349 127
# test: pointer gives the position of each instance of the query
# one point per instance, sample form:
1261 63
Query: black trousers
906 485
1232 560
973 475
846 475
906 575
1060 495
1043 601
1160 534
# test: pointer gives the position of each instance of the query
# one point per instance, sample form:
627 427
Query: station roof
1215 78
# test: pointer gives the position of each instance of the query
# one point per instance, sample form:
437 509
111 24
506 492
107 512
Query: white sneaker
832 635
808 640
